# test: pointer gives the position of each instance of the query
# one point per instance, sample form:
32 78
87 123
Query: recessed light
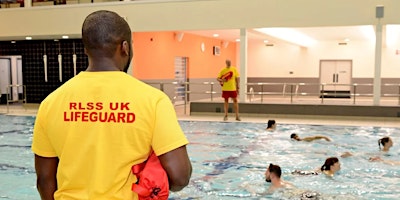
65 37
265 41
13 42
28 38
346 39
237 40
215 35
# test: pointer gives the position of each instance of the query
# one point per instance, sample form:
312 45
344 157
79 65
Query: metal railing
289 90
10 98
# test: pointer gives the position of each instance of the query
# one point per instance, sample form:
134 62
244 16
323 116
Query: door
11 75
5 75
327 74
336 74
343 75
181 64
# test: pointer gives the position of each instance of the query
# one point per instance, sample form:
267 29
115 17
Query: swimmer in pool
331 166
346 154
294 136
379 159
386 143
273 175
271 125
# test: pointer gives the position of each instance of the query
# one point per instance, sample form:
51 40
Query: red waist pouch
152 181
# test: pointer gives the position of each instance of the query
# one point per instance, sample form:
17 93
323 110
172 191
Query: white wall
198 15
391 61
279 60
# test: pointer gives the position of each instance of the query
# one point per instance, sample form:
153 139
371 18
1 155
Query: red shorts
229 94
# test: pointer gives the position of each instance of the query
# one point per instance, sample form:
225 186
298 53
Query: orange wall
154 54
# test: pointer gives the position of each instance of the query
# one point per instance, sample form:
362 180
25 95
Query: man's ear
125 48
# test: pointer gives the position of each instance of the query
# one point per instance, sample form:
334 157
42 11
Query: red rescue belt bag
152 179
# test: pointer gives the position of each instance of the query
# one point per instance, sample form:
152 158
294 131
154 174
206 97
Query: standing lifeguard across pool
229 79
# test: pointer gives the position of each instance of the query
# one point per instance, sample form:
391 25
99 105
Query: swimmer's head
386 143
294 136
273 170
331 164
271 124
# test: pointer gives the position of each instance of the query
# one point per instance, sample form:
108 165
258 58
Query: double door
11 78
336 75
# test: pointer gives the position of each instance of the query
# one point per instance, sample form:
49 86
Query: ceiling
337 34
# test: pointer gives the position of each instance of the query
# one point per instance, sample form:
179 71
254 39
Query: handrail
9 95
294 90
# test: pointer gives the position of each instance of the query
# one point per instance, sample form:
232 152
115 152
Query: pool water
229 161
17 173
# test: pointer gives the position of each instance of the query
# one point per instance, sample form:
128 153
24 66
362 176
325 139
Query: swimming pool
229 160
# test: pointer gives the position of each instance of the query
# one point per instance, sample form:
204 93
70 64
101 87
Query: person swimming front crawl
294 136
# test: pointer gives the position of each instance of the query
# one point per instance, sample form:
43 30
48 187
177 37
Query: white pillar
243 65
378 58
27 3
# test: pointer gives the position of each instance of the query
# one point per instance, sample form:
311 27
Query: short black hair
293 135
275 169
103 31
270 123
383 141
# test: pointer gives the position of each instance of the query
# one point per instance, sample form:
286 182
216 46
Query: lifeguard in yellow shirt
229 80
91 130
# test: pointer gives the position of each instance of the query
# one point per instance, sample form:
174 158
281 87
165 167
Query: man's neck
102 64
277 183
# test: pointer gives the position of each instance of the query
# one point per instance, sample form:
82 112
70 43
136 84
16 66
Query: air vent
342 43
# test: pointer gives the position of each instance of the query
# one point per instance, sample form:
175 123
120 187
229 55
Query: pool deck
184 114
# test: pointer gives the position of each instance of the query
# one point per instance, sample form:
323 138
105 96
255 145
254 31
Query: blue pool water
229 161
